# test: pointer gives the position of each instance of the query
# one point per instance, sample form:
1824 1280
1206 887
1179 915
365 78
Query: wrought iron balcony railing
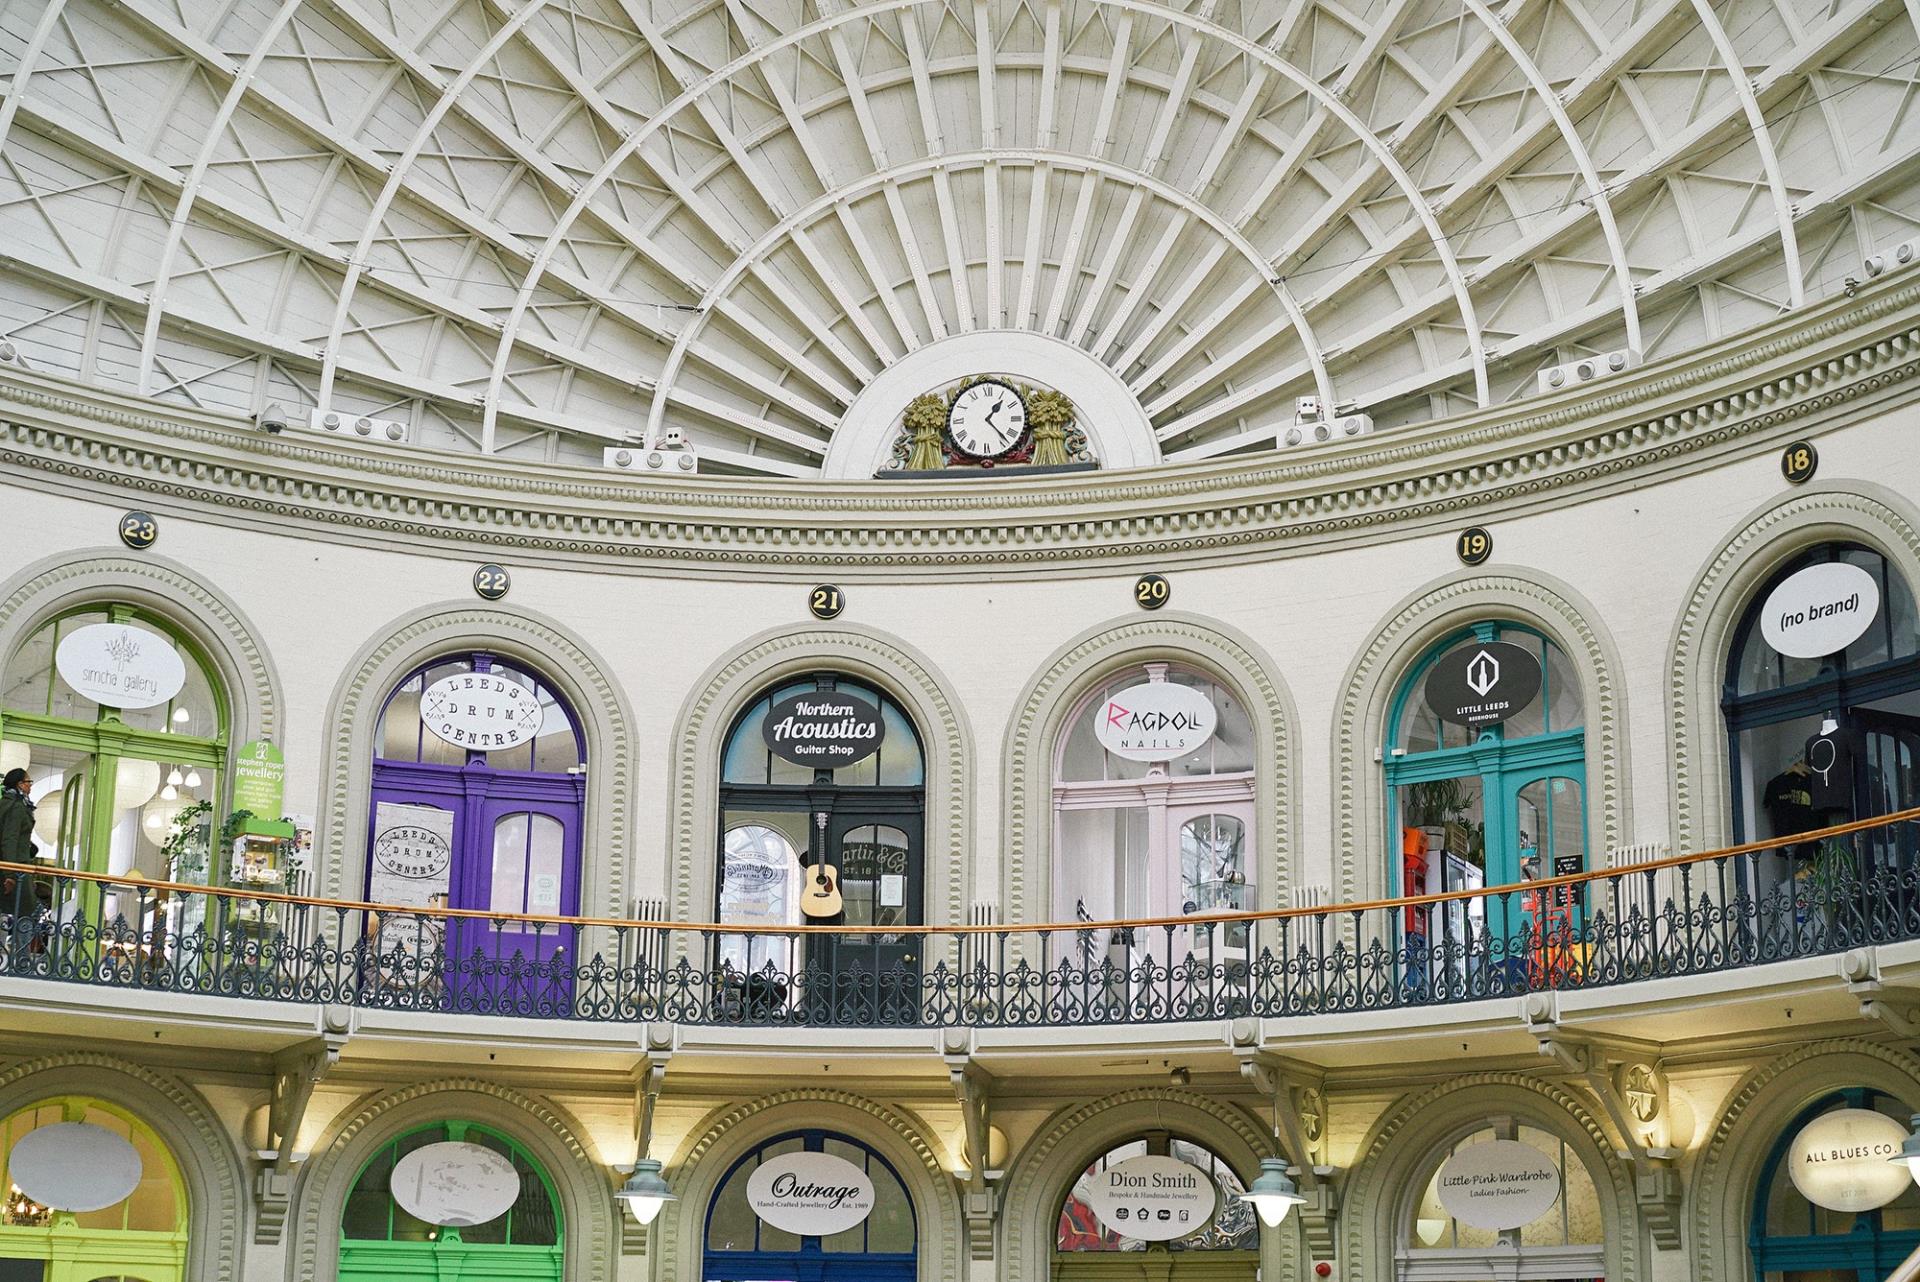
1817 893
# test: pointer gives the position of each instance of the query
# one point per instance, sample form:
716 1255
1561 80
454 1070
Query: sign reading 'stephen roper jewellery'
481 710
120 665
1483 685
1158 721
1820 610
1843 1160
1153 1199
1501 1184
824 729
811 1194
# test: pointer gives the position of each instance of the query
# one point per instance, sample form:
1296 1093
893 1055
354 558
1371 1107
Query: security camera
273 419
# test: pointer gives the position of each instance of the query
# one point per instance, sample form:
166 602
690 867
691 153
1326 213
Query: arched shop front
810 1206
91 1195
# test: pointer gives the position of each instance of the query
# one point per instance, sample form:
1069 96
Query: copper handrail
724 928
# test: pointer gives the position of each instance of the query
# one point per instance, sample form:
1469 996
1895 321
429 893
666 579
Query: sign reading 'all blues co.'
810 1194
1483 685
1158 721
824 729
481 710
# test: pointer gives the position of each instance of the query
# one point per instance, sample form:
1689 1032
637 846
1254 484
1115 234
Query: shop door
521 860
875 977
1545 813
1207 871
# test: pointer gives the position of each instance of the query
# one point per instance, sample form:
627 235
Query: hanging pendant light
193 778
181 716
173 778
1274 1193
169 793
645 1192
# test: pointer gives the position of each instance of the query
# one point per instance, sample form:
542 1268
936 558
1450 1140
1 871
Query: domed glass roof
536 229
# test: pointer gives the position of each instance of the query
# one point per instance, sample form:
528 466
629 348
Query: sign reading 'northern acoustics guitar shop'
824 729
1483 685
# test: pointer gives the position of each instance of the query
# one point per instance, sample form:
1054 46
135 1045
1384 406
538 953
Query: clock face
987 419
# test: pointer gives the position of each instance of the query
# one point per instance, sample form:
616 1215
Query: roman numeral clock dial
987 419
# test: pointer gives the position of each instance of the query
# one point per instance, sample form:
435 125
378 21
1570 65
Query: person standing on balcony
16 842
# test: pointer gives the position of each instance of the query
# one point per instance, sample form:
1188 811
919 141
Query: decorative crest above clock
989 422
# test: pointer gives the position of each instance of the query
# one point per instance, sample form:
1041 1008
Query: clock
987 418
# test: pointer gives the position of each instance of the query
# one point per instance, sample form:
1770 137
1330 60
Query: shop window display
1791 1239
1225 1245
1561 1243
142 1234
479 786
520 1237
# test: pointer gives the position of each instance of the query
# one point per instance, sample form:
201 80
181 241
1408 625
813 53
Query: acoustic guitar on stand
820 883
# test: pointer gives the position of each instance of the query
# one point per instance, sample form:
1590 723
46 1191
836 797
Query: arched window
1821 740
143 1235
382 1241
784 813
1160 822
1793 1240
109 781
882 1246
479 785
1225 1244
1494 791
1562 1243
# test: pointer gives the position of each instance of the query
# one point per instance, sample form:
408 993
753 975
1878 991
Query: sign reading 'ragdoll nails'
1157 721
1484 684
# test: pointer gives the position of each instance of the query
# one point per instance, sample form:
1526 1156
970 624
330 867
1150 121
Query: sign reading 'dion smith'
1153 1199
1158 721
1501 1184
480 710
1483 685
120 665
824 729
1820 610
1843 1160
454 1184
811 1194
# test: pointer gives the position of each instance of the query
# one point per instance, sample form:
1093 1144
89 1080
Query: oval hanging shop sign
824 729
120 665
1153 1199
1843 1160
75 1166
1483 685
1158 721
454 1184
1501 1184
1820 610
481 710
811 1194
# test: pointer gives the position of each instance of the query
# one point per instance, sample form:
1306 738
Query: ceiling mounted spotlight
360 427
671 453
1892 258
1585 370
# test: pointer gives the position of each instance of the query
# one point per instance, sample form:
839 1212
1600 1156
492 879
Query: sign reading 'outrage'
1158 721
811 1194
1502 1184
1153 1199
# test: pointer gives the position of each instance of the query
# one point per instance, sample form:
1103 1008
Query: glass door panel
875 975
1548 839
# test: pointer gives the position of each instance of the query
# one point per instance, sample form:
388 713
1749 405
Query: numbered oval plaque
826 602
139 530
1151 591
490 582
1799 461
1474 545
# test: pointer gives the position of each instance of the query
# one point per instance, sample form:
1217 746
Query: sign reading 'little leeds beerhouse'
1153 1199
1484 684
824 729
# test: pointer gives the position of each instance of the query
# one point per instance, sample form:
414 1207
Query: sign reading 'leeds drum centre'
1501 1184
481 710
811 1194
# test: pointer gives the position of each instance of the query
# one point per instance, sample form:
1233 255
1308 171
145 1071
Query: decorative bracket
1296 1095
1633 1095
1898 1009
973 1092
296 1071
649 1078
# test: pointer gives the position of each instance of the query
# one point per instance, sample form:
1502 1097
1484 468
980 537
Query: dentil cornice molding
1690 412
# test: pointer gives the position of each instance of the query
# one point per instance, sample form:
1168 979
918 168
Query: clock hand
992 410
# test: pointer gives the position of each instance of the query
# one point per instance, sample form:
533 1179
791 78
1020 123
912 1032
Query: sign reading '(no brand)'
1482 685
1820 610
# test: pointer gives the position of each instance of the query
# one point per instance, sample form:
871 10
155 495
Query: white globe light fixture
1274 1193
645 1193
